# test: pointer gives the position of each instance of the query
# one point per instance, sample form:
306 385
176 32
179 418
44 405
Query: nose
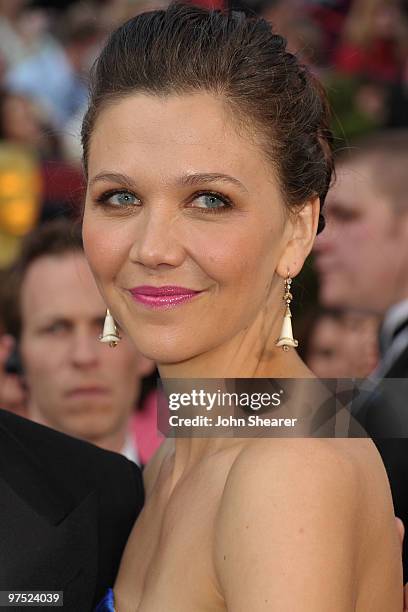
158 241
324 241
84 349
320 244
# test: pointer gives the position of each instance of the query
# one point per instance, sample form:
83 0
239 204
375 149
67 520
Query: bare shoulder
343 472
301 505
281 479
152 469
285 462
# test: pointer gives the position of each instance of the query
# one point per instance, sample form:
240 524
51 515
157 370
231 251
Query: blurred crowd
350 303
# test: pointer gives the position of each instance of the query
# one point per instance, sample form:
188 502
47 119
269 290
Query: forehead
169 136
60 286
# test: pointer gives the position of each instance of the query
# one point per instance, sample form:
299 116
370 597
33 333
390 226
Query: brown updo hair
186 49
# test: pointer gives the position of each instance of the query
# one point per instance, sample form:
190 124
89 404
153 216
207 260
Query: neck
251 354
398 291
188 452
402 297
112 441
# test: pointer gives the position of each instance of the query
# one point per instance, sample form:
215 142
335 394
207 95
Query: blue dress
106 604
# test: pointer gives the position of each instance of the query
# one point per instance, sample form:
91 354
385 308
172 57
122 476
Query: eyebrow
51 319
338 206
183 181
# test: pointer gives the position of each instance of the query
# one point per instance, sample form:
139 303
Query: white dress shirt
393 337
129 450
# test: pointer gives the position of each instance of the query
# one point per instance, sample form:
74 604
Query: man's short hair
387 152
54 238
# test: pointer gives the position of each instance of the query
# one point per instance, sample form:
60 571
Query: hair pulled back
186 49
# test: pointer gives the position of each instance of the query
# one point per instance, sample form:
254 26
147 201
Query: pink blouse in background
143 426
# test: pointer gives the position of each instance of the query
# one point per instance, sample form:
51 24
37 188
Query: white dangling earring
110 333
286 338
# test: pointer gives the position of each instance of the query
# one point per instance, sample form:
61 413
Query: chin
89 430
92 422
163 356
169 350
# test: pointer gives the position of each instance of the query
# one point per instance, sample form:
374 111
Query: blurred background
357 48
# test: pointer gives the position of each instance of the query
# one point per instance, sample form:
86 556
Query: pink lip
166 296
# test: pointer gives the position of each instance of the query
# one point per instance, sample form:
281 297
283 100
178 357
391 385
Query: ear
302 233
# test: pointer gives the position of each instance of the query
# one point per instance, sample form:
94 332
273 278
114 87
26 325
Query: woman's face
178 199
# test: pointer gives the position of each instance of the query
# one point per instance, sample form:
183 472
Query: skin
325 356
362 255
343 347
360 340
62 315
231 255
247 505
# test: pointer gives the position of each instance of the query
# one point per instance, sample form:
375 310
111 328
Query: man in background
74 383
362 260
362 256
66 511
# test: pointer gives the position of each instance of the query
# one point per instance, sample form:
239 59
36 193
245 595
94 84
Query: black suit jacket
384 416
66 510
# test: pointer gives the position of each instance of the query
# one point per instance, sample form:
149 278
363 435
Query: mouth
165 297
87 392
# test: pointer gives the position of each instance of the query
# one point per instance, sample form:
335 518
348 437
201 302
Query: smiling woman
207 155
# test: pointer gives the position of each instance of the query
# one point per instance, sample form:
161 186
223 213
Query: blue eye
120 199
212 201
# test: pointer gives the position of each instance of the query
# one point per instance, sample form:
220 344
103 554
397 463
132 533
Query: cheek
104 248
371 244
353 244
350 236
41 362
238 257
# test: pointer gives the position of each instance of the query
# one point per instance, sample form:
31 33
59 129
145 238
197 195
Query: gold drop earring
110 333
286 338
